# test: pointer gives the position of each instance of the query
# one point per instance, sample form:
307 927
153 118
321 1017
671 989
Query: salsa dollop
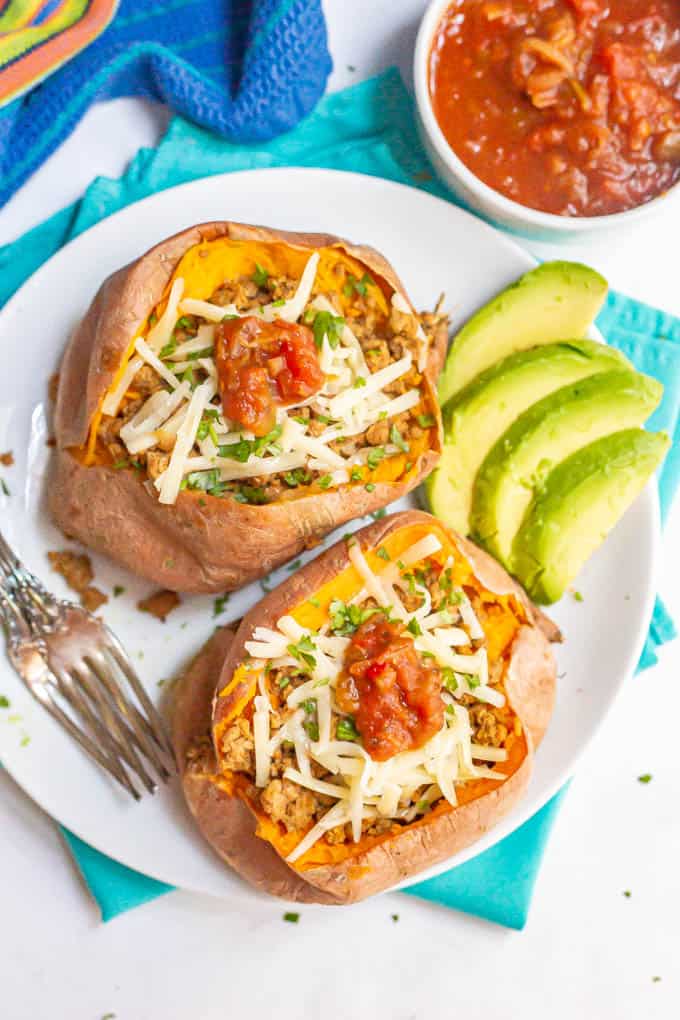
395 699
264 365
567 106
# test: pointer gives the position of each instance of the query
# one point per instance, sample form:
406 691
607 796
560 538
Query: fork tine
136 722
81 705
48 702
100 696
155 722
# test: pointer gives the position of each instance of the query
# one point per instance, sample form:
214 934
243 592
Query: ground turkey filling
383 341
297 808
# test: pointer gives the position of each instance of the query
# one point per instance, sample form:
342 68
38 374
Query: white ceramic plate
434 246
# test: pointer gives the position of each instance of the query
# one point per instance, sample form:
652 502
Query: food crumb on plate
7 459
53 386
160 604
646 777
292 917
76 569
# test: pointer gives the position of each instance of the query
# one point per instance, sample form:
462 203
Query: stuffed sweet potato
373 715
236 394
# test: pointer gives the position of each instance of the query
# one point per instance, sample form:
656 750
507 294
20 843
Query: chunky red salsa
395 699
568 106
262 366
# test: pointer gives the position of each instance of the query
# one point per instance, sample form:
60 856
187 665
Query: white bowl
477 195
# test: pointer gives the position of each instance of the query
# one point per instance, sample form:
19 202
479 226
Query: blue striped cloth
246 69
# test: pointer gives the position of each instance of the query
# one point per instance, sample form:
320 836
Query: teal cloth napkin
370 129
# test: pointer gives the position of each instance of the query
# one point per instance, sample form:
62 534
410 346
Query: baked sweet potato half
373 715
236 394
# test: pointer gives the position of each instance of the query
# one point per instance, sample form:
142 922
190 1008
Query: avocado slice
480 414
543 436
555 301
581 501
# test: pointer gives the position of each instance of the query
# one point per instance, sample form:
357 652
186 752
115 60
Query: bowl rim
505 207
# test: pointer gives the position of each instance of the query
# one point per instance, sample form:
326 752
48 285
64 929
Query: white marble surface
588 950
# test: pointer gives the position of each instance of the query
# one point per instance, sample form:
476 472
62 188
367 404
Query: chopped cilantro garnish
645 778
279 304
302 651
220 603
184 322
353 285
355 474
359 382
205 352
312 729
375 456
627 893
578 597
383 553
395 917
327 325
426 421
283 682
260 276
325 482
314 602
291 916
153 319
264 584
169 349
398 440
346 618
473 681
118 589
346 730
253 494
295 565
414 627
370 487
297 477
379 514
118 464
423 806
4 701
189 377
449 679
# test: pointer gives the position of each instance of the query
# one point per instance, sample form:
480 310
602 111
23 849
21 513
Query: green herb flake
370 487
329 326
645 778
279 304
473 682
383 554
577 596
265 585
302 651
118 590
346 729
379 514
4 701
414 627
283 682
627 893
656 978
356 474
291 917
375 456
4 487
398 440
295 565
119 464
168 350
314 602
325 482
359 382
220 604
395 917
355 286
260 276
426 421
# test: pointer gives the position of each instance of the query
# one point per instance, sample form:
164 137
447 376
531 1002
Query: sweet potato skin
530 687
201 543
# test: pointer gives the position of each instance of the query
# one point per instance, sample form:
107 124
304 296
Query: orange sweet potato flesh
252 845
201 543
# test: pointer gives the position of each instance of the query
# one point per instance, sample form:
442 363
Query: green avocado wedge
581 501
542 437
476 417
556 301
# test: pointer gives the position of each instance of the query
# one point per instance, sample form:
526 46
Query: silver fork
79 672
